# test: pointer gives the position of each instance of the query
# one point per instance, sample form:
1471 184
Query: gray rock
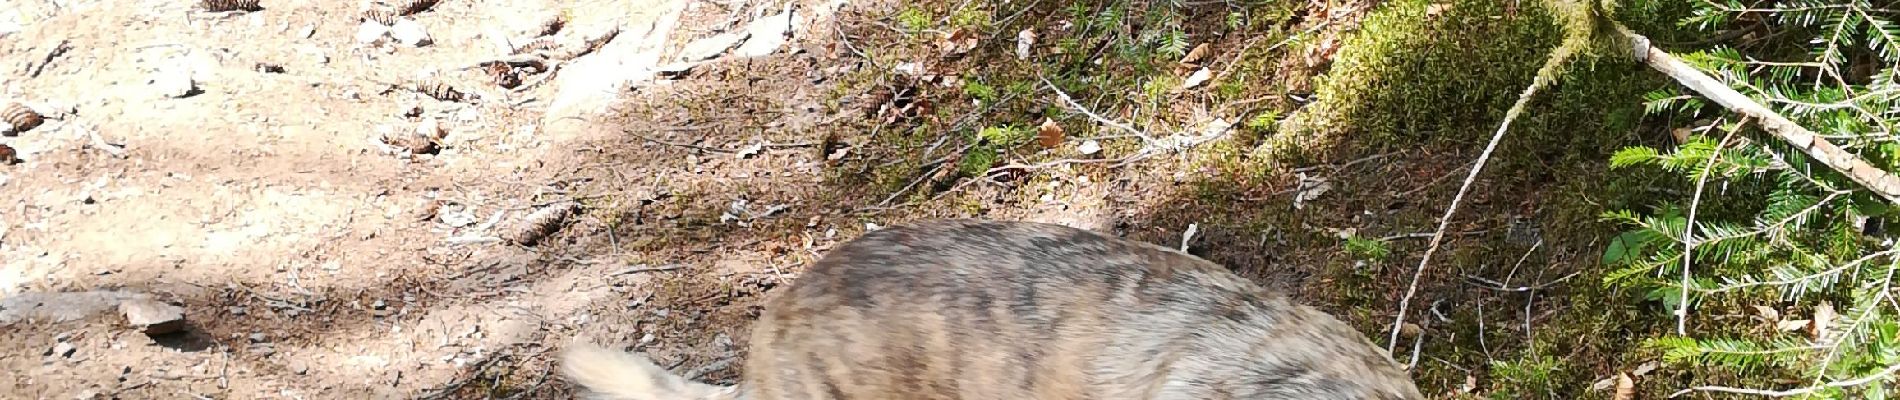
711 47
768 34
408 32
58 307
173 82
64 349
371 32
154 317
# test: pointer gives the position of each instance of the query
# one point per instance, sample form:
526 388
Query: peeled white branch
1876 180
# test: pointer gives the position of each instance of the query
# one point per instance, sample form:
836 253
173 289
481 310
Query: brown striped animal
971 309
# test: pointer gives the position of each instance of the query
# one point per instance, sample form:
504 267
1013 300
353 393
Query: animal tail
615 375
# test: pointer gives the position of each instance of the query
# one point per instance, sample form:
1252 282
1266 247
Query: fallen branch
1870 378
1545 74
645 268
1876 180
1145 139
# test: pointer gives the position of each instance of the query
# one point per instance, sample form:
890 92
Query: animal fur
968 309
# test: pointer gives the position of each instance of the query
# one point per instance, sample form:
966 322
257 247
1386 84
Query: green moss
1408 80
914 19
1401 81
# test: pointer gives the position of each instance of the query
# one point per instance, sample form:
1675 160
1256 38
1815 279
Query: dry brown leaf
1625 387
1049 134
1411 330
1768 313
1603 384
1194 57
959 41
1680 134
1823 317
1437 9
1792 325
1322 52
1646 368
1024 41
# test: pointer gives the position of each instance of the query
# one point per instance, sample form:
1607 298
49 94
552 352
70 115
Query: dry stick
1543 78
1869 378
1688 233
1876 180
1145 139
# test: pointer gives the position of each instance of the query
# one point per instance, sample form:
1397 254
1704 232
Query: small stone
408 32
431 129
371 32
11 22
1089 147
63 349
154 317
263 349
173 83
1196 79
766 35
239 311
258 337
306 31
298 367
711 47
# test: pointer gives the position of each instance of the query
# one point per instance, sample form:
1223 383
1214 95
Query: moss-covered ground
1387 103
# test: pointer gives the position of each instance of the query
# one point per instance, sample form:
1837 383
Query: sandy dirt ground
261 170
258 168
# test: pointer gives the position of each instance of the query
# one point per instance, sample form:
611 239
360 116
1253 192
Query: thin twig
1870 378
1502 287
472 239
630 132
1434 182
644 268
709 367
1092 115
1543 78
1417 346
1688 232
1422 235
1283 42
1481 343
1348 164
846 39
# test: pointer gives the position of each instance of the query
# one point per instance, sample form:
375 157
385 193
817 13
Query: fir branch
1689 241
1876 180
1836 270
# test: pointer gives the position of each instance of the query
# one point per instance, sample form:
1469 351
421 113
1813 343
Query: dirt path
312 259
